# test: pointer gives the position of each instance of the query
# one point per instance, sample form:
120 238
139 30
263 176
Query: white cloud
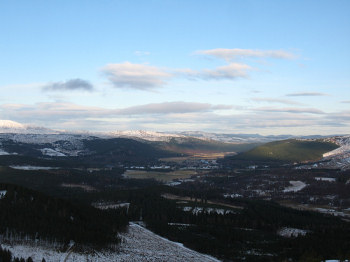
135 76
232 54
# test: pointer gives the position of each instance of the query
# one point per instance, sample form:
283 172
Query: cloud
295 110
180 116
342 117
275 100
135 76
231 71
72 84
55 111
345 102
308 94
232 54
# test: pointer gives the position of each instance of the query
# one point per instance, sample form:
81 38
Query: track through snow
138 244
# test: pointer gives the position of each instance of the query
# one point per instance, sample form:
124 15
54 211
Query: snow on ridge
145 135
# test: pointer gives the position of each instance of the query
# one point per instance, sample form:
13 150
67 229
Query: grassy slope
290 150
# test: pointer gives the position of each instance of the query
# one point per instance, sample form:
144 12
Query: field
198 156
159 176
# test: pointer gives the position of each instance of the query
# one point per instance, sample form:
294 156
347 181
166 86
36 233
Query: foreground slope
138 244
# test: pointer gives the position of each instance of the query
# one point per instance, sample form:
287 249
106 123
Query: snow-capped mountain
8 126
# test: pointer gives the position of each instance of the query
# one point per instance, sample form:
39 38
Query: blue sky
268 67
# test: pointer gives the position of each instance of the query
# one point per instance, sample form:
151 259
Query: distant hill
291 150
79 151
122 150
191 145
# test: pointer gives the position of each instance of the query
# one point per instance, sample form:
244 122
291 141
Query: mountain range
12 127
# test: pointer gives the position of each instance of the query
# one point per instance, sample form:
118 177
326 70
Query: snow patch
210 210
327 179
104 206
3 153
291 232
295 186
2 193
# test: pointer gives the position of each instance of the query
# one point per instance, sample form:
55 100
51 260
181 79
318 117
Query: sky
266 67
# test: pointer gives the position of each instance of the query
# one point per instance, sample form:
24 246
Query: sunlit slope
291 150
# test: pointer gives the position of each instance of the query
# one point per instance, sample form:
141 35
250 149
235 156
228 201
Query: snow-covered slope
137 245
338 158
344 146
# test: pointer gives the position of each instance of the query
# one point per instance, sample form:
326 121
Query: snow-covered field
295 186
137 245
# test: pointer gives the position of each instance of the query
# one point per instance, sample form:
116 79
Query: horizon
252 67
3 121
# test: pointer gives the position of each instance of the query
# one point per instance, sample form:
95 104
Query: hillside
291 150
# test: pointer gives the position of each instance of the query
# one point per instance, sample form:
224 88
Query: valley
224 205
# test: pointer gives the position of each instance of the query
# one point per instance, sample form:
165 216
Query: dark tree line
26 213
